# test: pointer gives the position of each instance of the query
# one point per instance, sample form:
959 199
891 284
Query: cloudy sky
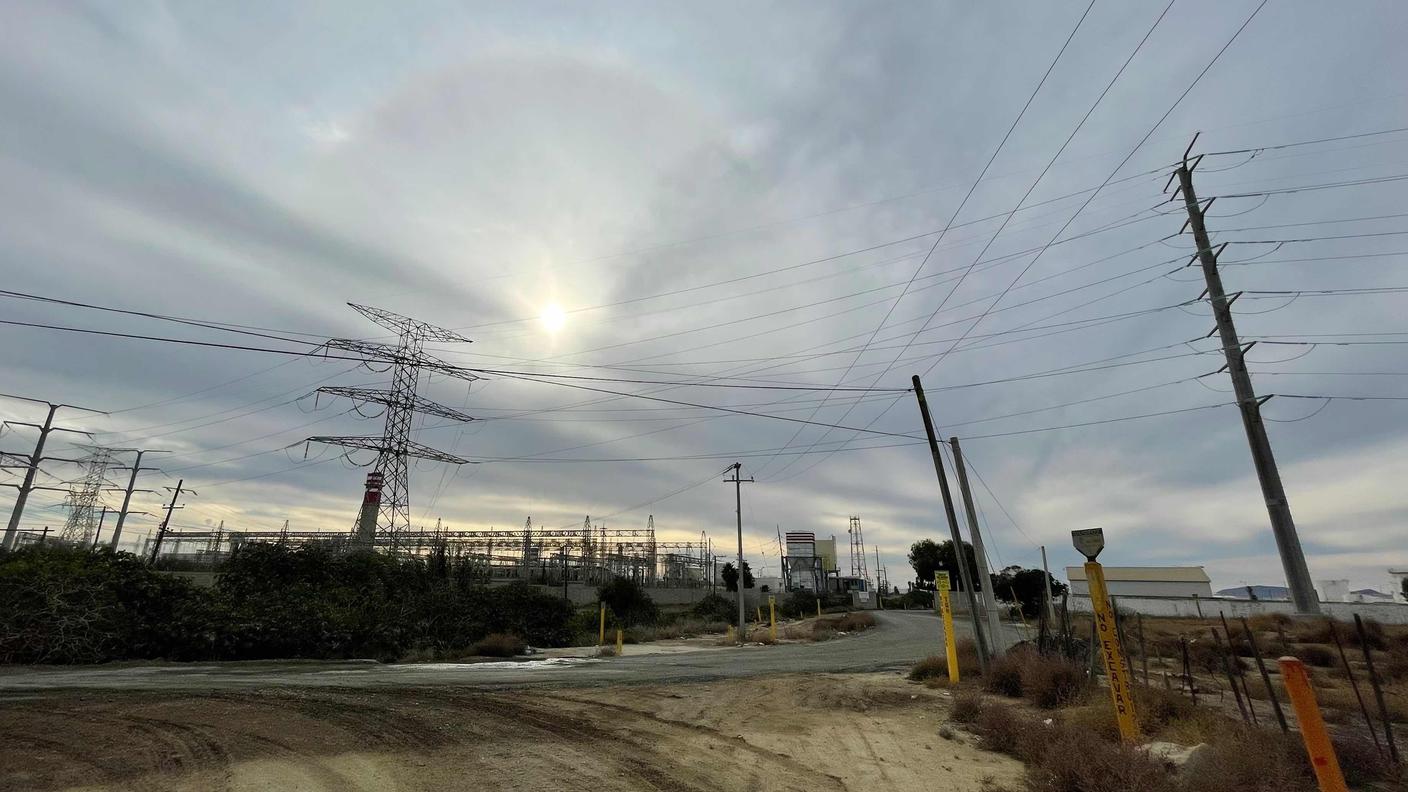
738 193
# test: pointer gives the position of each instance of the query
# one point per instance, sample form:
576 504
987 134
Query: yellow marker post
601 632
730 636
1312 726
759 609
772 618
946 611
620 641
1116 664
818 607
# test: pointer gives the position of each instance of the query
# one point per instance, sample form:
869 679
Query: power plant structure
590 554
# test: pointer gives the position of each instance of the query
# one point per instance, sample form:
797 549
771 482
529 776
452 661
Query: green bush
715 608
69 605
629 603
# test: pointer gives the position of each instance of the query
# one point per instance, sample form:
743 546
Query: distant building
1146 581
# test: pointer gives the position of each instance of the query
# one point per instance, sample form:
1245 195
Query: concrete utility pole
1046 586
963 573
989 596
737 482
28 486
166 521
127 495
1283 526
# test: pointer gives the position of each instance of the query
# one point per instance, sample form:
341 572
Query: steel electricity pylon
83 495
407 358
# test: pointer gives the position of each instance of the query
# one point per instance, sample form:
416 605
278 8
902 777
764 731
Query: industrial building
1186 581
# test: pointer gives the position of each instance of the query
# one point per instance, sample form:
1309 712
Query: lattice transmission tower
407 359
857 550
83 495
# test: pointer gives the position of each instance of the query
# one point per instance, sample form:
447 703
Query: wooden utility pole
963 573
737 482
166 521
995 641
99 532
1283 526
1046 586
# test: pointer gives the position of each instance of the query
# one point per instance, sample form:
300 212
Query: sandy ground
797 732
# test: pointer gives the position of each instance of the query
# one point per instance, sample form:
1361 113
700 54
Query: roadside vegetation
1044 708
72 605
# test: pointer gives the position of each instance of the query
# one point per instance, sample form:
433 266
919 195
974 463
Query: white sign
1089 541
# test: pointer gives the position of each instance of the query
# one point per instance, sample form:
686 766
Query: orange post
1312 726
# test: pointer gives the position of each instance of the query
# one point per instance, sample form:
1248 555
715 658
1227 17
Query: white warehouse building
1189 581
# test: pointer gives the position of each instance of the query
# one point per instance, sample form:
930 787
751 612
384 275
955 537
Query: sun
553 317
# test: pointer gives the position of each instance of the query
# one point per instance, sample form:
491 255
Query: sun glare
553 317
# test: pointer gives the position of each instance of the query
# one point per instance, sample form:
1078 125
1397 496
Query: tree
1405 588
628 602
928 557
730 576
924 557
747 576
1025 587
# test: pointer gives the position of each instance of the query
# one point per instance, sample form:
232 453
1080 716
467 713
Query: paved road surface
900 639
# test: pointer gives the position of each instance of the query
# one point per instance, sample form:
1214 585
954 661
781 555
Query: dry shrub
823 631
499 645
855 622
935 667
1364 763
1316 655
1073 760
606 651
1249 759
1268 622
1051 681
931 667
1005 673
967 707
1319 631
1396 666
1006 730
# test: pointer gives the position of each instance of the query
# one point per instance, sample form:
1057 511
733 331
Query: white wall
1385 612
1147 588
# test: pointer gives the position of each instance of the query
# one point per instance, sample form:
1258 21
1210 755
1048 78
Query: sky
794 194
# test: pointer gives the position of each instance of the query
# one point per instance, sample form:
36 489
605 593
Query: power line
954 217
1337 138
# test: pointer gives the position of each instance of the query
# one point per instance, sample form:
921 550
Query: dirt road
835 715
795 732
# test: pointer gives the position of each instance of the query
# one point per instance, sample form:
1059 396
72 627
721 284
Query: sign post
946 611
601 632
1090 542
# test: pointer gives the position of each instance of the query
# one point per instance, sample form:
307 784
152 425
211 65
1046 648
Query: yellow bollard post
818 607
730 636
772 618
1116 664
946 611
601 632
1312 726
759 609
620 641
